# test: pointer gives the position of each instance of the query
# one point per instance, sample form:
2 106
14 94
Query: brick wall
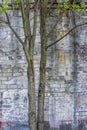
66 85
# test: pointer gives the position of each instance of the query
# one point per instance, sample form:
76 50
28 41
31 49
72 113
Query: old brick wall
66 85
13 76
67 75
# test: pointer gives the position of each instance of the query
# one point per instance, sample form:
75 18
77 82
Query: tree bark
28 47
41 91
31 90
31 97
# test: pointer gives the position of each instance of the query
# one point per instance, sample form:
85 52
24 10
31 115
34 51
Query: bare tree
28 46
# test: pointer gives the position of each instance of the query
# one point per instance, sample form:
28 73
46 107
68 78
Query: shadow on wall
13 126
64 126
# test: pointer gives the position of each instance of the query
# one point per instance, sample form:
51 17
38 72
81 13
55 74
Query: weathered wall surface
67 75
66 88
13 76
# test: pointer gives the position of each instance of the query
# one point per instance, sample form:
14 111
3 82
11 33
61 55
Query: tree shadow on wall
81 126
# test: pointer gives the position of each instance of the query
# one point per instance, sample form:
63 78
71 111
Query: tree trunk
41 92
31 90
31 97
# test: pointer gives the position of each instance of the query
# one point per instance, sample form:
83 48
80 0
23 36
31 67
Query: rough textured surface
66 89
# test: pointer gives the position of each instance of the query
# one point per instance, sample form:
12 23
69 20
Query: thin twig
79 25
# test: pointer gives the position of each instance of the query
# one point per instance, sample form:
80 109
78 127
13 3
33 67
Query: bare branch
26 52
58 20
3 21
79 25
17 36
12 29
7 23
34 25
25 10
50 4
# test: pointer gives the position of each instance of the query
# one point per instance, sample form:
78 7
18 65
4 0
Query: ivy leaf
66 5
82 4
74 6
30 1
6 8
6 1
1 9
